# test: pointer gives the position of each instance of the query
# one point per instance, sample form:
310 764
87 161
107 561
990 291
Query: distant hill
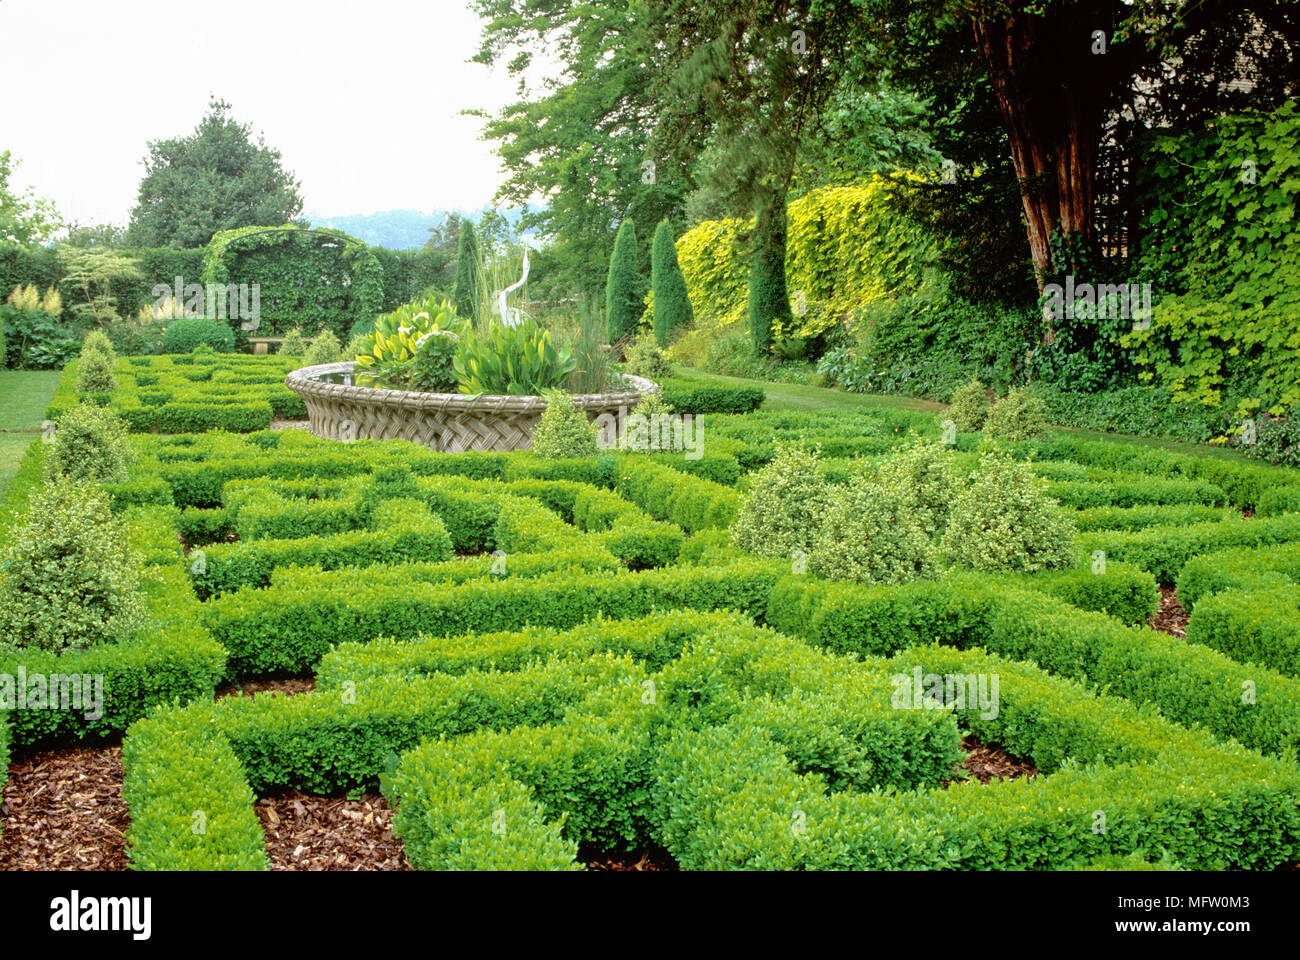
395 229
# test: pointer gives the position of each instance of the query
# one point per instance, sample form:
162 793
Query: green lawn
24 395
788 396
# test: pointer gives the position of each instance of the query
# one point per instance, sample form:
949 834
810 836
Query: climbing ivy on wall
1221 247
848 246
307 278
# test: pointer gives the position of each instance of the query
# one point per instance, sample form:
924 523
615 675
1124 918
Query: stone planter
452 422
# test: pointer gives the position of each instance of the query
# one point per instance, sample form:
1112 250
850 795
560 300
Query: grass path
24 395
792 396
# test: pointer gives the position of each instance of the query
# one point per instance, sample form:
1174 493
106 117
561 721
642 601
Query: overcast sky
361 98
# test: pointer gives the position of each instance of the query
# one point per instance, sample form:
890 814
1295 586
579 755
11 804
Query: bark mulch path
639 861
63 810
987 764
1171 618
330 833
287 688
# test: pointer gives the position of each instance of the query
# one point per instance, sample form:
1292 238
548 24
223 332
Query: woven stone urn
452 422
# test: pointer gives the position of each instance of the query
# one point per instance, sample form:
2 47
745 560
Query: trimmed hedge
1254 705
228 567
1144 516
691 502
1252 626
686 396
292 624
727 794
1164 551
182 393
1236 567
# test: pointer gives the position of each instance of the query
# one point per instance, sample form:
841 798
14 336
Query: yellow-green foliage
29 298
1020 415
293 345
847 246
970 406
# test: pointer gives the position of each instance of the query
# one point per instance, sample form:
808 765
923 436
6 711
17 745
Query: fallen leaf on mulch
63 810
330 833
286 688
987 764
1171 618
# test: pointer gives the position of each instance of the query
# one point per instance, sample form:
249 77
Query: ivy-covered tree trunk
769 302
1052 74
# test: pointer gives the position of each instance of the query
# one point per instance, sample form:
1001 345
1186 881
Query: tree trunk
769 301
1052 89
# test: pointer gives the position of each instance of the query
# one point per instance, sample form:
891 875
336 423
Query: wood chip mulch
639 861
1171 618
986 764
286 688
63 810
330 833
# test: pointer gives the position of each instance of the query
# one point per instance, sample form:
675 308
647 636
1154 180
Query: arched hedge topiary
306 277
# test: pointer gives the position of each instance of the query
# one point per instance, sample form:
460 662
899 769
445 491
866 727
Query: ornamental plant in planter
414 350
521 360
461 388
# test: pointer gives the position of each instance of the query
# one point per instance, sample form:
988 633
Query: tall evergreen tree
625 287
672 304
465 292
215 179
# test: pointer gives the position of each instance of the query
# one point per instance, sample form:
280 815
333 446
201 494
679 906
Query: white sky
361 98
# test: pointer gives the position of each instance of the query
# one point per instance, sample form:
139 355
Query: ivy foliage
1221 235
847 247
306 276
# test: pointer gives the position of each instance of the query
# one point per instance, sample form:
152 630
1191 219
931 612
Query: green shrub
95 374
66 579
359 345
97 341
90 443
1252 626
182 336
1020 415
874 533
786 507
1236 567
324 349
1120 589
1165 551
624 287
645 359
293 345
672 305
923 471
689 397
563 430
1004 521
970 406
